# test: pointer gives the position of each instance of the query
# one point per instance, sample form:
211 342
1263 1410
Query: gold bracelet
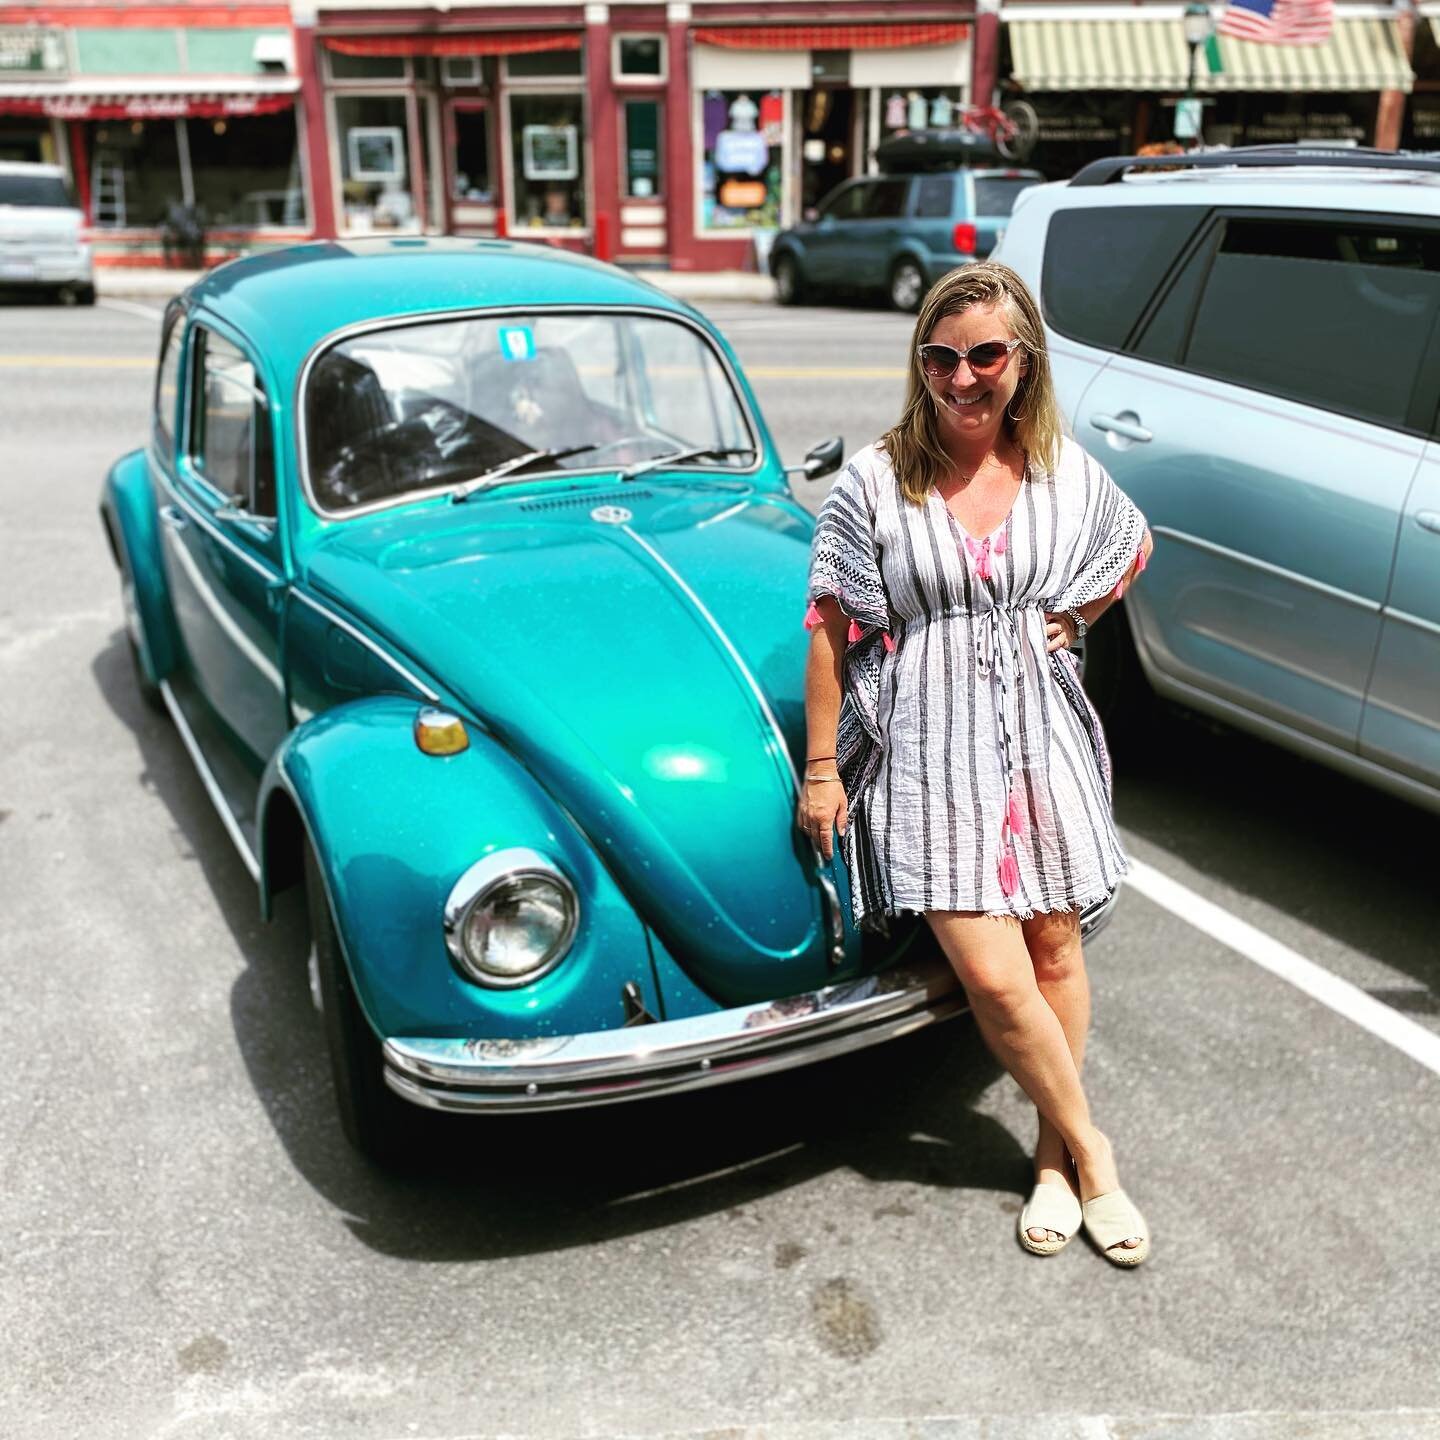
823 780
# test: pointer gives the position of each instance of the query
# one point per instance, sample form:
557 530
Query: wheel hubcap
906 290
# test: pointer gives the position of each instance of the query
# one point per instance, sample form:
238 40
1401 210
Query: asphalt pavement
189 1249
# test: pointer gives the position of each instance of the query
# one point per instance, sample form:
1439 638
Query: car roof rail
1245 157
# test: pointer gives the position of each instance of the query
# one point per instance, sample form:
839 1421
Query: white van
40 241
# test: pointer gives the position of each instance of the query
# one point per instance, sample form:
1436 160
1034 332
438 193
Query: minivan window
996 194
1286 299
35 190
1102 265
847 204
932 196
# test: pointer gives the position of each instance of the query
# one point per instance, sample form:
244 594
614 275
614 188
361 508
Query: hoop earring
1014 419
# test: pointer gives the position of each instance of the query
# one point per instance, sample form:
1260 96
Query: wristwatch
1079 621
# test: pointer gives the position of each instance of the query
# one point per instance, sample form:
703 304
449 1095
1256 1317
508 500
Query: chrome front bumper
562 1072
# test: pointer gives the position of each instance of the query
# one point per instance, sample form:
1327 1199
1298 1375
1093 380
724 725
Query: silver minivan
41 249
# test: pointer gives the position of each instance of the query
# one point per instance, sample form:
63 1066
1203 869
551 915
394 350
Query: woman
954 564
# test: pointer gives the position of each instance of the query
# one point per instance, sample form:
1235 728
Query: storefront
1108 82
151 117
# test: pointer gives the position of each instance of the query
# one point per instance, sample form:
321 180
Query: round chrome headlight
510 918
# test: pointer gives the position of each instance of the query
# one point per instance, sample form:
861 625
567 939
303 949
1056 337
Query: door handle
1121 425
1428 520
173 517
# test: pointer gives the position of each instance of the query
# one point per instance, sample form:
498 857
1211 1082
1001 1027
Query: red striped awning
144 107
516 42
828 37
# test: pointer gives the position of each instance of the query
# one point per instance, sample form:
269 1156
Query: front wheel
789 281
1016 141
376 1121
907 286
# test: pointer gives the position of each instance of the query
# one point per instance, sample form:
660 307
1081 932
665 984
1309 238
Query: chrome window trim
359 635
513 863
394 322
1294 578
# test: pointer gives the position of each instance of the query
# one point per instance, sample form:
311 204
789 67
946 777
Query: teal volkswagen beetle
471 578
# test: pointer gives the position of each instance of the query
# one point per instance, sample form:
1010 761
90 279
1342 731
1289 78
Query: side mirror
821 459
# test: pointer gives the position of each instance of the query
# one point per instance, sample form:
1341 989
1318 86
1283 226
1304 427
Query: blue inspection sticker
517 342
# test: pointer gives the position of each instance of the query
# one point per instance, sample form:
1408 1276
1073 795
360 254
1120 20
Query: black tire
376 1121
1110 671
907 285
76 295
790 286
1026 120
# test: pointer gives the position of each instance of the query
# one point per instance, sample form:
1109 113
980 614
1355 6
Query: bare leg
992 962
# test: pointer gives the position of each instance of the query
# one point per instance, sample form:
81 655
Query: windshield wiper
704 452
497 473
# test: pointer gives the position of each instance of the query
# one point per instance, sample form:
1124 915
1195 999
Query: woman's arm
1060 629
822 797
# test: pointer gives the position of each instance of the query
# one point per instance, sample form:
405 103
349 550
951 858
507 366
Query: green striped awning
1151 54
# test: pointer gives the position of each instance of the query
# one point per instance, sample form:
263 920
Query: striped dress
975 769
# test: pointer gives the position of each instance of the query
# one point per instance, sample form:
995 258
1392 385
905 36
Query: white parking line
1289 965
129 307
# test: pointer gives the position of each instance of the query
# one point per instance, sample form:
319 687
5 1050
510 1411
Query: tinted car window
886 200
846 204
1102 266
996 194
1336 315
933 196
46 190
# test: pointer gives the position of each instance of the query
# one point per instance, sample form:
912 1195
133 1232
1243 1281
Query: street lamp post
1197 25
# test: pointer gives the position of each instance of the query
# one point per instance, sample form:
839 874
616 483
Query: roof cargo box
935 150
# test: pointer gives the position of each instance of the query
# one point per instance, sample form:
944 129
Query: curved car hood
585 644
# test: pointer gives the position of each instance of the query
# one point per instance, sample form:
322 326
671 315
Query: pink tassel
1119 589
1009 874
813 617
854 633
889 643
1140 561
999 546
1015 814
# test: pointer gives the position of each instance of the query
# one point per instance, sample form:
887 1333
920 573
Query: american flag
1278 22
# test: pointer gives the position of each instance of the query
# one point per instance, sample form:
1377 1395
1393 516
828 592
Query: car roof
286 301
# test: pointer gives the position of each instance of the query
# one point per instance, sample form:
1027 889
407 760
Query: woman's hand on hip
1059 632
823 809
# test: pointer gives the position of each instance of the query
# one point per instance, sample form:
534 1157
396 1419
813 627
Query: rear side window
996 194
37 190
886 200
933 195
167 384
1103 265
1333 314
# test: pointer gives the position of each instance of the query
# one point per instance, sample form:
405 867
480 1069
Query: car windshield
411 409
997 194
45 190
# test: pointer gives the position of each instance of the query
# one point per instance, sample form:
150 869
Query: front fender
128 513
393 829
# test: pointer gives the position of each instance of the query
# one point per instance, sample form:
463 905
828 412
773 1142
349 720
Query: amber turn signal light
439 732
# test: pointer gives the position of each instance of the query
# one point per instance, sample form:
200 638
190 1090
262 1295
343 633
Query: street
191 1250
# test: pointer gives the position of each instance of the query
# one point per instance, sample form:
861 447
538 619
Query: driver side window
230 425
849 204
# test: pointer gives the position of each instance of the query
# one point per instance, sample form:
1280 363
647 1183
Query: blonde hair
1032 418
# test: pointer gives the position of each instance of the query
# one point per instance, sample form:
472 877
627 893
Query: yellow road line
80 362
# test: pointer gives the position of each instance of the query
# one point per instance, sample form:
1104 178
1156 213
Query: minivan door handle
1126 423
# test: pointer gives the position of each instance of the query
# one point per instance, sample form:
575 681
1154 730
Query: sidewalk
694 286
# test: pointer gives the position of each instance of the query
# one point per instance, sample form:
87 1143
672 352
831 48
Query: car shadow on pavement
1352 861
486 1187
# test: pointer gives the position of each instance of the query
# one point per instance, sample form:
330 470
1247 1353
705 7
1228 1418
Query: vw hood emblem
611 514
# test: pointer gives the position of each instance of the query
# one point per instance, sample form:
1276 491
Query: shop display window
470 158
643 179
373 134
545 64
548 159
741 173
134 172
904 110
247 171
